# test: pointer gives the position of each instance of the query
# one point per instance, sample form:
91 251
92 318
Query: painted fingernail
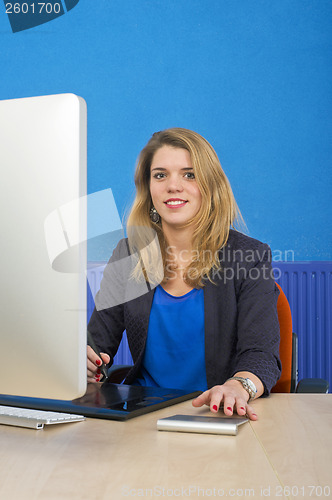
98 371
215 407
229 408
242 408
98 362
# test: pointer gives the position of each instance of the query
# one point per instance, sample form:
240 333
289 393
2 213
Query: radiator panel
308 287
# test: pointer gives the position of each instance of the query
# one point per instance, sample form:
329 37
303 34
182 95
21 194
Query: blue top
174 354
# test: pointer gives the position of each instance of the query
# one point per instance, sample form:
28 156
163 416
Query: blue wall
253 77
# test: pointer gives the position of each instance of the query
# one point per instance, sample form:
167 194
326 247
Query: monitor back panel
42 309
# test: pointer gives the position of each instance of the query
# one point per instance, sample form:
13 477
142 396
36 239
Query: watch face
251 385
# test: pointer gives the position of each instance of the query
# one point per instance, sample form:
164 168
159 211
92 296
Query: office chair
288 353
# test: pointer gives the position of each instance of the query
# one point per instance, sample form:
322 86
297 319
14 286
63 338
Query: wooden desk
290 445
295 431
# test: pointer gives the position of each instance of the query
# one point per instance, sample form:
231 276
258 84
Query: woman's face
173 187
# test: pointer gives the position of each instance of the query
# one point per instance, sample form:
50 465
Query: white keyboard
34 419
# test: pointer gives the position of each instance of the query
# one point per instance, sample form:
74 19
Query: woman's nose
174 183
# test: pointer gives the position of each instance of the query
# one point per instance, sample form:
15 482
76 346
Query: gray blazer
241 321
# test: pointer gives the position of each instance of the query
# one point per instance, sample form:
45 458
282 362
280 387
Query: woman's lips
175 203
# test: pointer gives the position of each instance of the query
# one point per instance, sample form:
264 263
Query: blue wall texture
253 77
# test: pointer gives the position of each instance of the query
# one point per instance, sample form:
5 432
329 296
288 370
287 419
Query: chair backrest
285 350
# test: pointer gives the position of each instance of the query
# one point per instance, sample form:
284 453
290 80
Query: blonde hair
218 211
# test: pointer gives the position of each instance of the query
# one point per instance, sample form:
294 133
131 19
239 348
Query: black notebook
108 401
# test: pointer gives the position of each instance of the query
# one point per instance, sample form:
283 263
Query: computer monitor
42 269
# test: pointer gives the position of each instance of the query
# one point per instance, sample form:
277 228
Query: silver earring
154 216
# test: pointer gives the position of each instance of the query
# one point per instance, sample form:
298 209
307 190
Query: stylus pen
92 344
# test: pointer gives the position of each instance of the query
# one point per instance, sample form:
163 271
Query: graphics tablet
108 401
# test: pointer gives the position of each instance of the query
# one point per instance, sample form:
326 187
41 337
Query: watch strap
252 393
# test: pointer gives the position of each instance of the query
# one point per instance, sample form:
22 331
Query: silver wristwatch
248 385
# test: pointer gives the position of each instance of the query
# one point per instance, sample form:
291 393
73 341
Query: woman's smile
175 203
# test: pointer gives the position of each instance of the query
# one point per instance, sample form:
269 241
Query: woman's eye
190 175
158 175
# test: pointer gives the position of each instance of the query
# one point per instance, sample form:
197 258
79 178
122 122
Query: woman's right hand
93 364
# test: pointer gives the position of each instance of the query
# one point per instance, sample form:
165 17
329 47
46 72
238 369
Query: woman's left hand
231 395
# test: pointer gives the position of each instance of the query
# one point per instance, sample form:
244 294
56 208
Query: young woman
197 299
